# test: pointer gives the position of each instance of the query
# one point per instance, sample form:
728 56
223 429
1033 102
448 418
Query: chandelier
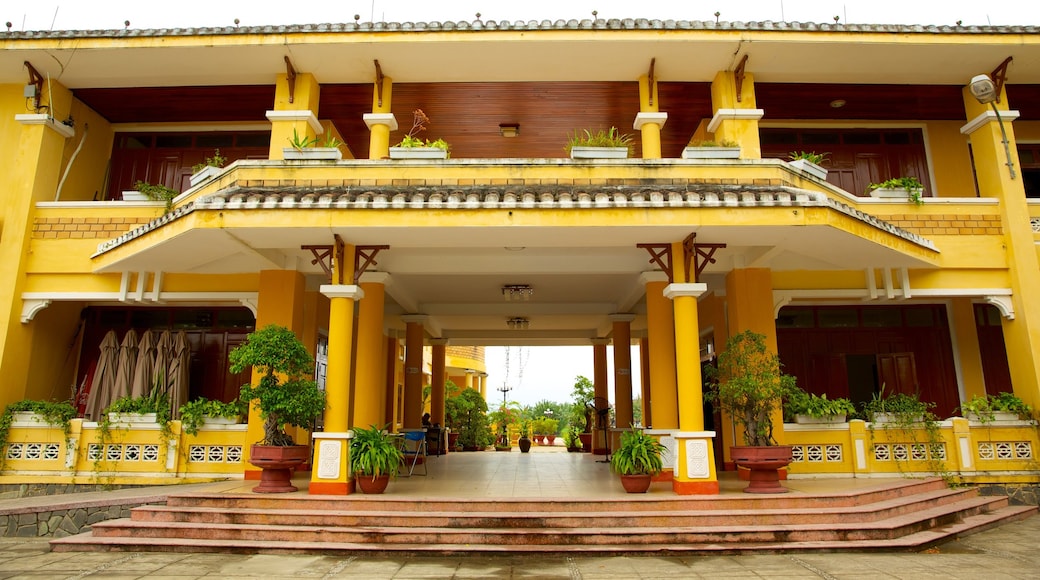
518 323
517 292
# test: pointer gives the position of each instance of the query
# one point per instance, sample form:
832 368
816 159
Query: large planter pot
550 439
636 483
369 484
711 153
825 420
453 441
599 152
764 463
277 463
418 153
586 442
525 444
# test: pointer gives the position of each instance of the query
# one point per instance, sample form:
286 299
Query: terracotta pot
764 464
453 439
277 463
551 439
636 483
368 484
525 444
586 442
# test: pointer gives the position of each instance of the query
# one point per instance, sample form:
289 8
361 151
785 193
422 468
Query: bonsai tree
749 385
472 420
285 393
582 395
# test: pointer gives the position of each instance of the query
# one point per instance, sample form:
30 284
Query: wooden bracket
660 254
650 81
379 84
701 254
368 253
322 257
330 258
290 76
36 80
738 76
999 75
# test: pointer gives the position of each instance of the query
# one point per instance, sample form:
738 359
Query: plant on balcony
158 193
210 167
58 413
710 149
602 144
1003 406
414 147
909 188
804 407
903 409
196 413
809 162
304 147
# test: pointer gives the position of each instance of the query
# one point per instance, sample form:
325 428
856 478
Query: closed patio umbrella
125 363
178 377
163 356
104 376
142 378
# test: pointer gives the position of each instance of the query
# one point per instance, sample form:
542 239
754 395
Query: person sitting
426 421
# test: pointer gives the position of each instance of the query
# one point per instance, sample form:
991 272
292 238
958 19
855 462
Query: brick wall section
947 224
85 227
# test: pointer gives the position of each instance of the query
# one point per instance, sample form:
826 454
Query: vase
636 483
525 444
764 463
277 463
369 484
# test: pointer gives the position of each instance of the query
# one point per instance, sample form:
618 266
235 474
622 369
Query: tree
582 395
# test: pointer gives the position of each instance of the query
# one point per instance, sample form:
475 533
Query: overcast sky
549 373
106 14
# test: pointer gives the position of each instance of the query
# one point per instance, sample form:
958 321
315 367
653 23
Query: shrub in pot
374 458
900 408
805 407
196 413
1002 406
637 459
58 413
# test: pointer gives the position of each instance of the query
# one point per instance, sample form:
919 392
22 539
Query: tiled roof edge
526 25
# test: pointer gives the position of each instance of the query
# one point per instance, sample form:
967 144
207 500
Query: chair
414 447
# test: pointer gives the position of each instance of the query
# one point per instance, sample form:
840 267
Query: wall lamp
986 92
509 129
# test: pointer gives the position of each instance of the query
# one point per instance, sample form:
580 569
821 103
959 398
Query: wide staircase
905 515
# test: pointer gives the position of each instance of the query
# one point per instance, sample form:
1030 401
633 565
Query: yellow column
413 362
661 338
644 381
622 332
736 120
649 121
695 469
380 121
279 301
967 347
599 389
437 382
393 378
300 115
1022 332
32 168
369 378
331 473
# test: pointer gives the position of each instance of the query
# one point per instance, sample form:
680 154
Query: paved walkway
1011 551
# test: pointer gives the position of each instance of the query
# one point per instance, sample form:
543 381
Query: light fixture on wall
518 323
509 129
987 92
517 292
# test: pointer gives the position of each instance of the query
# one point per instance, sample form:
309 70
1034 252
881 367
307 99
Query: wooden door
897 373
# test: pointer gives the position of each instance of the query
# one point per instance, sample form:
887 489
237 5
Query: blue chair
414 448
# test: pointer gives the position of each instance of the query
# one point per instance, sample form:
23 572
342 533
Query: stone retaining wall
59 523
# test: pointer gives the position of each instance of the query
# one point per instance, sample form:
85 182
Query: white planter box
599 152
311 153
827 420
886 193
998 417
418 153
134 195
131 418
806 166
711 153
29 419
207 173
891 418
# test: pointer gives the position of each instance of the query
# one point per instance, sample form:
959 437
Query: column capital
649 119
300 115
438 342
654 276
621 317
387 119
734 115
45 120
342 291
986 117
600 341
673 291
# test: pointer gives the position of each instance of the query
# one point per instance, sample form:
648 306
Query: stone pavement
1010 551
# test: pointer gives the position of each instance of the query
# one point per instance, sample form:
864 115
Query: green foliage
194 413
216 161
331 141
472 420
524 428
158 193
285 393
156 401
374 452
906 408
912 185
583 394
301 142
572 438
799 402
712 143
985 407
53 412
419 122
638 454
602 138
810 156
506 415
749 385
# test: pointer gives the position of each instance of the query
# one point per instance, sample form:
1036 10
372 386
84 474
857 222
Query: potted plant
303 147
749 385
1001 407
474 433
374 458
285 394
899 408
203 411
34 413
151 408
810 408
208 169
503 417
154 193
602 144
573 439
712 150
582 409
637 459
524 428
551 427
413 147
909 188
809 162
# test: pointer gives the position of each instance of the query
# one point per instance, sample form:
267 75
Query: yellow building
371 258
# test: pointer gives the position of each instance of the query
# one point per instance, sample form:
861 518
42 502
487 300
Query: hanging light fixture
517 292
518 323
